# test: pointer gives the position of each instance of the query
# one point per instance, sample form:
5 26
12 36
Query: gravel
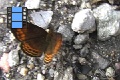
90 32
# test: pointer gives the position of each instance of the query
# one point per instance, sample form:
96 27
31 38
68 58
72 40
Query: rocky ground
90 48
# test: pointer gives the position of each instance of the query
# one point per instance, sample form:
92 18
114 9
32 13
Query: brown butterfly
35 40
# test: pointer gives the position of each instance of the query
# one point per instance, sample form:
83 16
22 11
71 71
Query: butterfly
35 40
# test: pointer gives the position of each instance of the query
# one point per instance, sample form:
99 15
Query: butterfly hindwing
54 45
34 47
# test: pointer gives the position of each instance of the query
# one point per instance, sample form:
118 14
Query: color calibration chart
16 16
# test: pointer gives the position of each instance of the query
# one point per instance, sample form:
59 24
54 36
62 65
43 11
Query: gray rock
51 72
84 51
13 58
76 46
81 38
84 21
108 21
66 31
42 18
67 74
103 63
30 4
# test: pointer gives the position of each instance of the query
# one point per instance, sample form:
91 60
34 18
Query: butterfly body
35 40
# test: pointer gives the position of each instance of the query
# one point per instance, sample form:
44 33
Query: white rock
84 21
110 72
24 71
108 21
13 58
42 18
40 77
32 4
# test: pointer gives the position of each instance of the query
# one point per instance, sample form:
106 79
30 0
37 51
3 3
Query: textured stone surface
108 21
84 21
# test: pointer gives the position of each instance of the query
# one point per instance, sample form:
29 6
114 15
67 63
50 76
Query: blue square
16 16
16 24
16 9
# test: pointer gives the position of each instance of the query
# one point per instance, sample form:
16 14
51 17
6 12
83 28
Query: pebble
95 78
1 20
81 38
102 63
84 51
107 17
117 65
82 61
77 46
51 72
68 74
24 71
110 72
84 21
40 77
30 66
66 31
32 4
82 77
42 18
13 58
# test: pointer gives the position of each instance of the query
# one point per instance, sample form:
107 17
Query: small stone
85 69
102 63
32 4
84 21
82 76
40 77
84 51
66 75
30 66
51 72
77 46
81 38
1 20
66 31
110 72
82 60
7 75
13 58
24 71
95 78
42 18
117 66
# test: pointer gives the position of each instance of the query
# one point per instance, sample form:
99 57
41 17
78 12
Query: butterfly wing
28 31
32 39
53 46
34 47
